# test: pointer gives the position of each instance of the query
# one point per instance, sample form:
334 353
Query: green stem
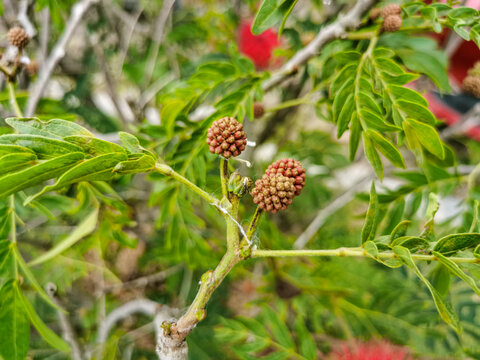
291 103
224 176
13 223
168 171
351 252
13 98
210 281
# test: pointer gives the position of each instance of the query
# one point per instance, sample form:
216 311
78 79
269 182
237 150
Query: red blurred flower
372 350
259 48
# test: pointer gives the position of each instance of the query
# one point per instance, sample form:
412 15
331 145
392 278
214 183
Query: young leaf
457 271
144 163
370 225
372 156
94 146
29 275
97 168
270 13
83 229
14 182
400 230
12 162
55 128
355 134
48 335
428 137
44 147
444 308
450 244
411 242
386 148
14 329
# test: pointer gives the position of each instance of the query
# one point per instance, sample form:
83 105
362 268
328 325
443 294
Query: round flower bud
32 67
391 9
392 23
471 85
18 37
258 110
375 13
226 137
273 193
290 168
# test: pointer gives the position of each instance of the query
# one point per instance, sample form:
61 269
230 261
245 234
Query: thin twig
354 252
144 280
123 110
58 52
67 329
44 35
158 33
24 20
335 30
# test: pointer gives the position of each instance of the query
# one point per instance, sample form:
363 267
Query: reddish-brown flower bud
226 137
392 23
258 110
273 193
18 37
290 168
391 9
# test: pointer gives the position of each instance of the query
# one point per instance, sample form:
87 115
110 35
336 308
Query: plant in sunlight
136 168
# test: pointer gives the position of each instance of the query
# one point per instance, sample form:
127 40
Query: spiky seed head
226 137
290 168
17 36
391 9
392 23
273 193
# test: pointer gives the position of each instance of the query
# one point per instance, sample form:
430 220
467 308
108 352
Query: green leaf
428 137
130 142
450 244
370 225
14 182
355 135
43 146
441 279
475 34
307 346
10 149
400 230
279 330
16 161
29 275
386 148
372 156
144 163
416 111
444 308
94 146
345 115
457 271
407 94
86 227
55 128
375 122
15 328
48 335
97 168
427 64
270 13
411 242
